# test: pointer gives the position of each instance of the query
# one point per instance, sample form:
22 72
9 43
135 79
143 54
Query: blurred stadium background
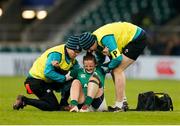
32 26
28 27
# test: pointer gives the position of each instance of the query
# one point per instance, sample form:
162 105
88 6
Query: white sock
119 104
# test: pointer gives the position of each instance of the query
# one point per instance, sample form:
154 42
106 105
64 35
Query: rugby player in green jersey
87 90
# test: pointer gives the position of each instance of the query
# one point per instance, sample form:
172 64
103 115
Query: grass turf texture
10 87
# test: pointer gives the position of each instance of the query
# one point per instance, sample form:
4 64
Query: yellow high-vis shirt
122 31
37 70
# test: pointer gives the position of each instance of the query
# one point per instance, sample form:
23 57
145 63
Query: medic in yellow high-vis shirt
123 42
51 71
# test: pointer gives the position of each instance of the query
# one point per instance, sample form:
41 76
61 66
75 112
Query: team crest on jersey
85 85
83 75
95 73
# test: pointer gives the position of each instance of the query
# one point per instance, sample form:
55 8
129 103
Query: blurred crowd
165 44
160 43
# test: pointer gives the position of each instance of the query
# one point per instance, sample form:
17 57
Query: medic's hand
68 76
106 51
106 69
55 64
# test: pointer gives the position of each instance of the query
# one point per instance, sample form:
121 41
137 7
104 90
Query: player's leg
99 103
93 87
92 92
76 95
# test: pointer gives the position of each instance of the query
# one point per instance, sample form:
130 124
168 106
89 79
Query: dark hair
89 56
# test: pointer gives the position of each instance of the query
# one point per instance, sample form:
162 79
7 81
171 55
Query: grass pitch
10 87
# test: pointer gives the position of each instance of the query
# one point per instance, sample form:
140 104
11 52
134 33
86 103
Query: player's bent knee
94 81
76 82
94 78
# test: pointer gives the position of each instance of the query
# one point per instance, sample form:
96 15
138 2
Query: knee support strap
95 82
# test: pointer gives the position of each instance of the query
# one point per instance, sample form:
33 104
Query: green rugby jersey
84 76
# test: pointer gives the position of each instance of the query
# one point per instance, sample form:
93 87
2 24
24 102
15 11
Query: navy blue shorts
135 47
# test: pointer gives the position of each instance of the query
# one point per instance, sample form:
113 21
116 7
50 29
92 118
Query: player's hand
68 76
